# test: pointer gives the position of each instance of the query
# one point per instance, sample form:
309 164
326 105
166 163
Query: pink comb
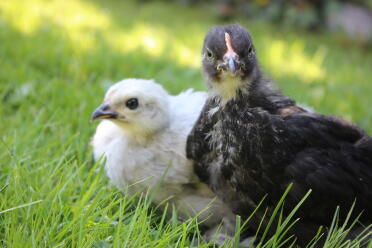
228 44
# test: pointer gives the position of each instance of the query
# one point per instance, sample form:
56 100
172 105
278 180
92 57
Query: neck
227 89
259 92
137 134
230 87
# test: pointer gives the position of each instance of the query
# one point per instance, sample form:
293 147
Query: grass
57 58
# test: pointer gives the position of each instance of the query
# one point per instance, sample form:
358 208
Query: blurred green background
53 50
58 57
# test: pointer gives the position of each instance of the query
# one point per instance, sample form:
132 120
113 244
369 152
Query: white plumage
145 145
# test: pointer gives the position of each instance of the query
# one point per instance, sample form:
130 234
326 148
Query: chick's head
139 107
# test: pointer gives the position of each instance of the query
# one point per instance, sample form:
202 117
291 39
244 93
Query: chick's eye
209 54
132 103
250 50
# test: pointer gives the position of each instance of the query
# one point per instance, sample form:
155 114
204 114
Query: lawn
57 58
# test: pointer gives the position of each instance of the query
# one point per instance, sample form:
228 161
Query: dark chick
251 141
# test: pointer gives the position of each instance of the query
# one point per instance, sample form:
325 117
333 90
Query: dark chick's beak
230 63
230 59
103 112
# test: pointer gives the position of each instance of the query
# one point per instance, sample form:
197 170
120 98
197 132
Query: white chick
143 136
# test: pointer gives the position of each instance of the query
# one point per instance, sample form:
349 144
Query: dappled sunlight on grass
57 58
87 41
86 26
140 37
154 41
81 21
290 58
74 16
76 19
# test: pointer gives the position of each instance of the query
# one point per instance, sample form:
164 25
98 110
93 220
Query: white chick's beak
103 112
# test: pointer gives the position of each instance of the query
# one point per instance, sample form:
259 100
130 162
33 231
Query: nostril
242 65
105 107
222 66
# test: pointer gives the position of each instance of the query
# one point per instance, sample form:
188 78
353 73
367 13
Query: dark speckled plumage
258 142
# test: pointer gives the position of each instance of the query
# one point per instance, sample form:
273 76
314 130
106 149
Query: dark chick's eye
132 103
209 54
250 50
